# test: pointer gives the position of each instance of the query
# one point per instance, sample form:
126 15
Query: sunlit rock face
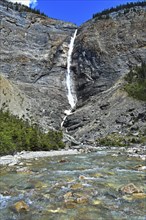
34 56
34 52
13 99
104 52
106 49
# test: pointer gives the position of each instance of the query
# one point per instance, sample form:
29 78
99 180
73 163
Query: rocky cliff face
33 62
106 49
33 56
13 98
104 52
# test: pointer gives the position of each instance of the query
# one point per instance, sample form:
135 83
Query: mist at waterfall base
76 11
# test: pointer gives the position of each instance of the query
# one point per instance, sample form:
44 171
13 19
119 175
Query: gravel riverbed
11 160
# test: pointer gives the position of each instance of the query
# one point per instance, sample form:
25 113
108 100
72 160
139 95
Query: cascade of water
72 99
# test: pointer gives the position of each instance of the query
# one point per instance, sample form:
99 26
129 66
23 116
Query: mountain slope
12 99
105 51
107 48
34 60
33 54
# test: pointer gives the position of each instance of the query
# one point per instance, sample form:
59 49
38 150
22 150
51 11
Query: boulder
20 207
130 189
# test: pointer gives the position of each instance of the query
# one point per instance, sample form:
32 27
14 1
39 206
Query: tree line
125 7
17 135
136 82
21 8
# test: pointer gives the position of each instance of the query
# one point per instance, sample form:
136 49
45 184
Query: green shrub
17 135
136 82
111 140
119 140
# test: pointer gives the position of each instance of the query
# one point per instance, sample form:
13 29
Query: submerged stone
111 173
70 204
96 202
40 185
97 175
76 186
82 177
62 161
68 195
112 185
130 189
139 196
140 167
58 210
135 196
70 179
24 170
82 200
20 206
47 196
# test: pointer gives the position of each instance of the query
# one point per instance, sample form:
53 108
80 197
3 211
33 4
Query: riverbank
12 160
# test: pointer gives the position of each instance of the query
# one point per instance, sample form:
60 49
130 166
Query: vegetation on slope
116 139
125 7
21 8
17 135
136 88
136 82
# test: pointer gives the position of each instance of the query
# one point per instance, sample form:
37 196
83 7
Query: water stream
71 94
72 99
75 187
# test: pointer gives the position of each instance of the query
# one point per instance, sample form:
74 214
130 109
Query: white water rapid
72 99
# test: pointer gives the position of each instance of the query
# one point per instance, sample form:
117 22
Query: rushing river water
75 187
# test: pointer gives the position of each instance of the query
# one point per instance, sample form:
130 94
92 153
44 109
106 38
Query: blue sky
76 11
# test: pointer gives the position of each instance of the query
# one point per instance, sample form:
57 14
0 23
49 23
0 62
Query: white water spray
72 99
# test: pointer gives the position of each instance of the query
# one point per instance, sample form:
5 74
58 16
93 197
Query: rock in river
20 206
130 189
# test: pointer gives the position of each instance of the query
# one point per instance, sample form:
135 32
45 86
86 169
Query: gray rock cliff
104 52
34 62
33 56
107 48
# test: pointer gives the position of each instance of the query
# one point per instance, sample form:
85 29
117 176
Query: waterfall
72 99
71 95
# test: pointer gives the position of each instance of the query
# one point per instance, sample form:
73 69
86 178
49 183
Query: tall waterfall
72 99
71 95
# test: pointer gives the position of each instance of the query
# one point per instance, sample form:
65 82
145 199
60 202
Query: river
75 187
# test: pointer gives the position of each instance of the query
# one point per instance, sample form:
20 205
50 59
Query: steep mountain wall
107 48
33 64
33 55
13 98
